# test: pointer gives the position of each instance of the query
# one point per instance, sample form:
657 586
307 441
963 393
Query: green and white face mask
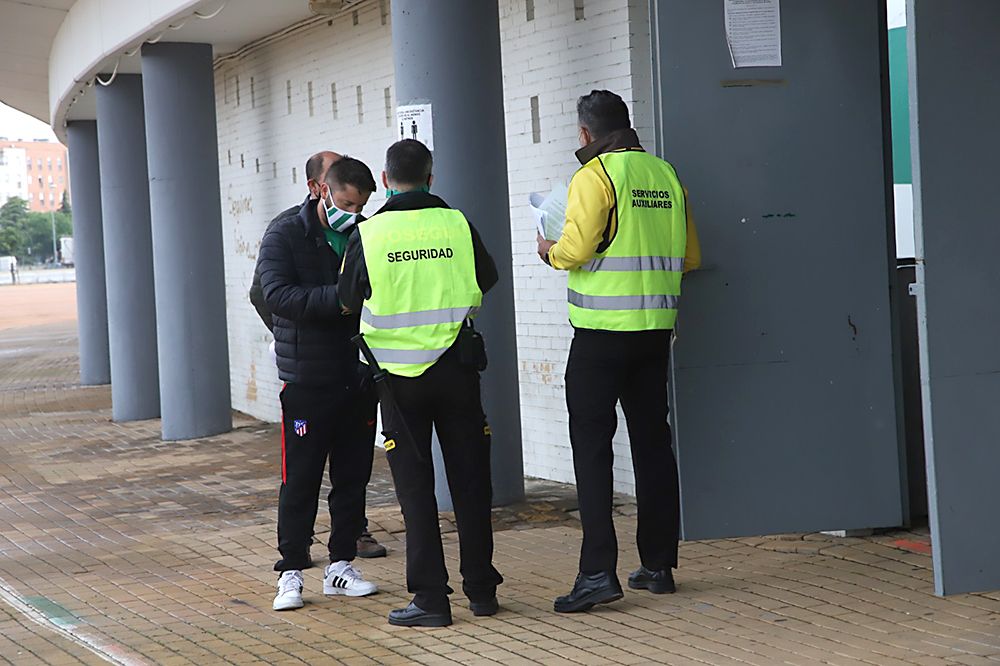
339 220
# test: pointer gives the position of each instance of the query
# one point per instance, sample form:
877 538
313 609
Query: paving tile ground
116 547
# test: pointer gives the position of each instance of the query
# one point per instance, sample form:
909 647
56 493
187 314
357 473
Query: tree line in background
27 235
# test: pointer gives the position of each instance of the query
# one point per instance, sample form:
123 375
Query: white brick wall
557 59
553 57
261 128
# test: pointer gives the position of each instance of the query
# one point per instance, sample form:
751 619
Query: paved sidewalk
117 547
34 305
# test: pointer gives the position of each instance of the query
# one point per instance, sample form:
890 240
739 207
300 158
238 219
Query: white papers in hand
537 214
549 211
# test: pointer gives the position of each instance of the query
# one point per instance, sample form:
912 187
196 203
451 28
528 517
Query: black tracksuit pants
446 397
320 424
604 368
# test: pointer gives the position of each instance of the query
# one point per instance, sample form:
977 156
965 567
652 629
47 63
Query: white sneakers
342 578
339 578
289 594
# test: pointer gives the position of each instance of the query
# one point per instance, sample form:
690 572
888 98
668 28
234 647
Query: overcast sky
16 125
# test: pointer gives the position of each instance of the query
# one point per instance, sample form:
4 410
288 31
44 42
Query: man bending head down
343 193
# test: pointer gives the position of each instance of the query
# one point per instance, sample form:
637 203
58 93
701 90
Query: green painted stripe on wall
900 107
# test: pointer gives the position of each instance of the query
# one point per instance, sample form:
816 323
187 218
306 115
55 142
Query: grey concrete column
128 251
447 53
88 253
955 142
182 149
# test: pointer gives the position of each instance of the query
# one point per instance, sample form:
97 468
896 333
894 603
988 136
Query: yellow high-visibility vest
635 283
422 271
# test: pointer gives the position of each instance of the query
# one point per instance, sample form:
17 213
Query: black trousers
318 425
446 397
604 368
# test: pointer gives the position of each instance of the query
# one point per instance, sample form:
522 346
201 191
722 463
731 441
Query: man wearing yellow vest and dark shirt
626 243
416 270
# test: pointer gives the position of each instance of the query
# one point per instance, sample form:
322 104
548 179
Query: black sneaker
414 616
588 591
657 582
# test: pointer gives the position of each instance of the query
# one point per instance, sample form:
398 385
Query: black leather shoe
657 582
588 591
414 616
484 608
369 547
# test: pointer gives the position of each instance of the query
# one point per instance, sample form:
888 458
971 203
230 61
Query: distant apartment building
13 174
37 171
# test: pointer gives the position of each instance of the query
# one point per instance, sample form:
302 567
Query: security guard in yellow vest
416 271
626 243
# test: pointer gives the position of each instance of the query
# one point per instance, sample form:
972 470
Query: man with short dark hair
410 162
626 242
317 167
417 271
327 412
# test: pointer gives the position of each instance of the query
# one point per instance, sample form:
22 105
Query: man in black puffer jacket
326 412
316 169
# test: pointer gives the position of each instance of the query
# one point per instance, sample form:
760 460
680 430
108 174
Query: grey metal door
785 410
954 119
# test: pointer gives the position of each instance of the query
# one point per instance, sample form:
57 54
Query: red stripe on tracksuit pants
335 433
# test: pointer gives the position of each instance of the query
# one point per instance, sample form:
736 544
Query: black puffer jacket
256 291
298 275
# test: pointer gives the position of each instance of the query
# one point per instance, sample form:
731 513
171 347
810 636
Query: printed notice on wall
415 121
753 30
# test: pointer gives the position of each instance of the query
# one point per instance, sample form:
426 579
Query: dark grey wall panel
785 404
955 103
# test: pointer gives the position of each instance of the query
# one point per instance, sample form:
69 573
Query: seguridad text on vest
416 255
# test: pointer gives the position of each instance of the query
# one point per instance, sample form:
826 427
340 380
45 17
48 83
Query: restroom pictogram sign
416 121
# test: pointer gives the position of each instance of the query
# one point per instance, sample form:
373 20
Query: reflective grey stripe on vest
675 264
649 302
408 356
423 318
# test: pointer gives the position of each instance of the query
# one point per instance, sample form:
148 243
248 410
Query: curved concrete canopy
27 30
51 50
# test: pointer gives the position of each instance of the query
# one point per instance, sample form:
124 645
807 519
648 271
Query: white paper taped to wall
753 32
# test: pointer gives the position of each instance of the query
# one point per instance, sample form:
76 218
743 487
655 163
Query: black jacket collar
625 139
413 201
309 217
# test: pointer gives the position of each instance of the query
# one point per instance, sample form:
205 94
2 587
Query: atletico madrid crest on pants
301 427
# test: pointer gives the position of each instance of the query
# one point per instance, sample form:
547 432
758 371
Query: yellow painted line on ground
68 628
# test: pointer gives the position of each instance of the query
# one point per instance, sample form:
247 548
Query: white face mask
339 220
